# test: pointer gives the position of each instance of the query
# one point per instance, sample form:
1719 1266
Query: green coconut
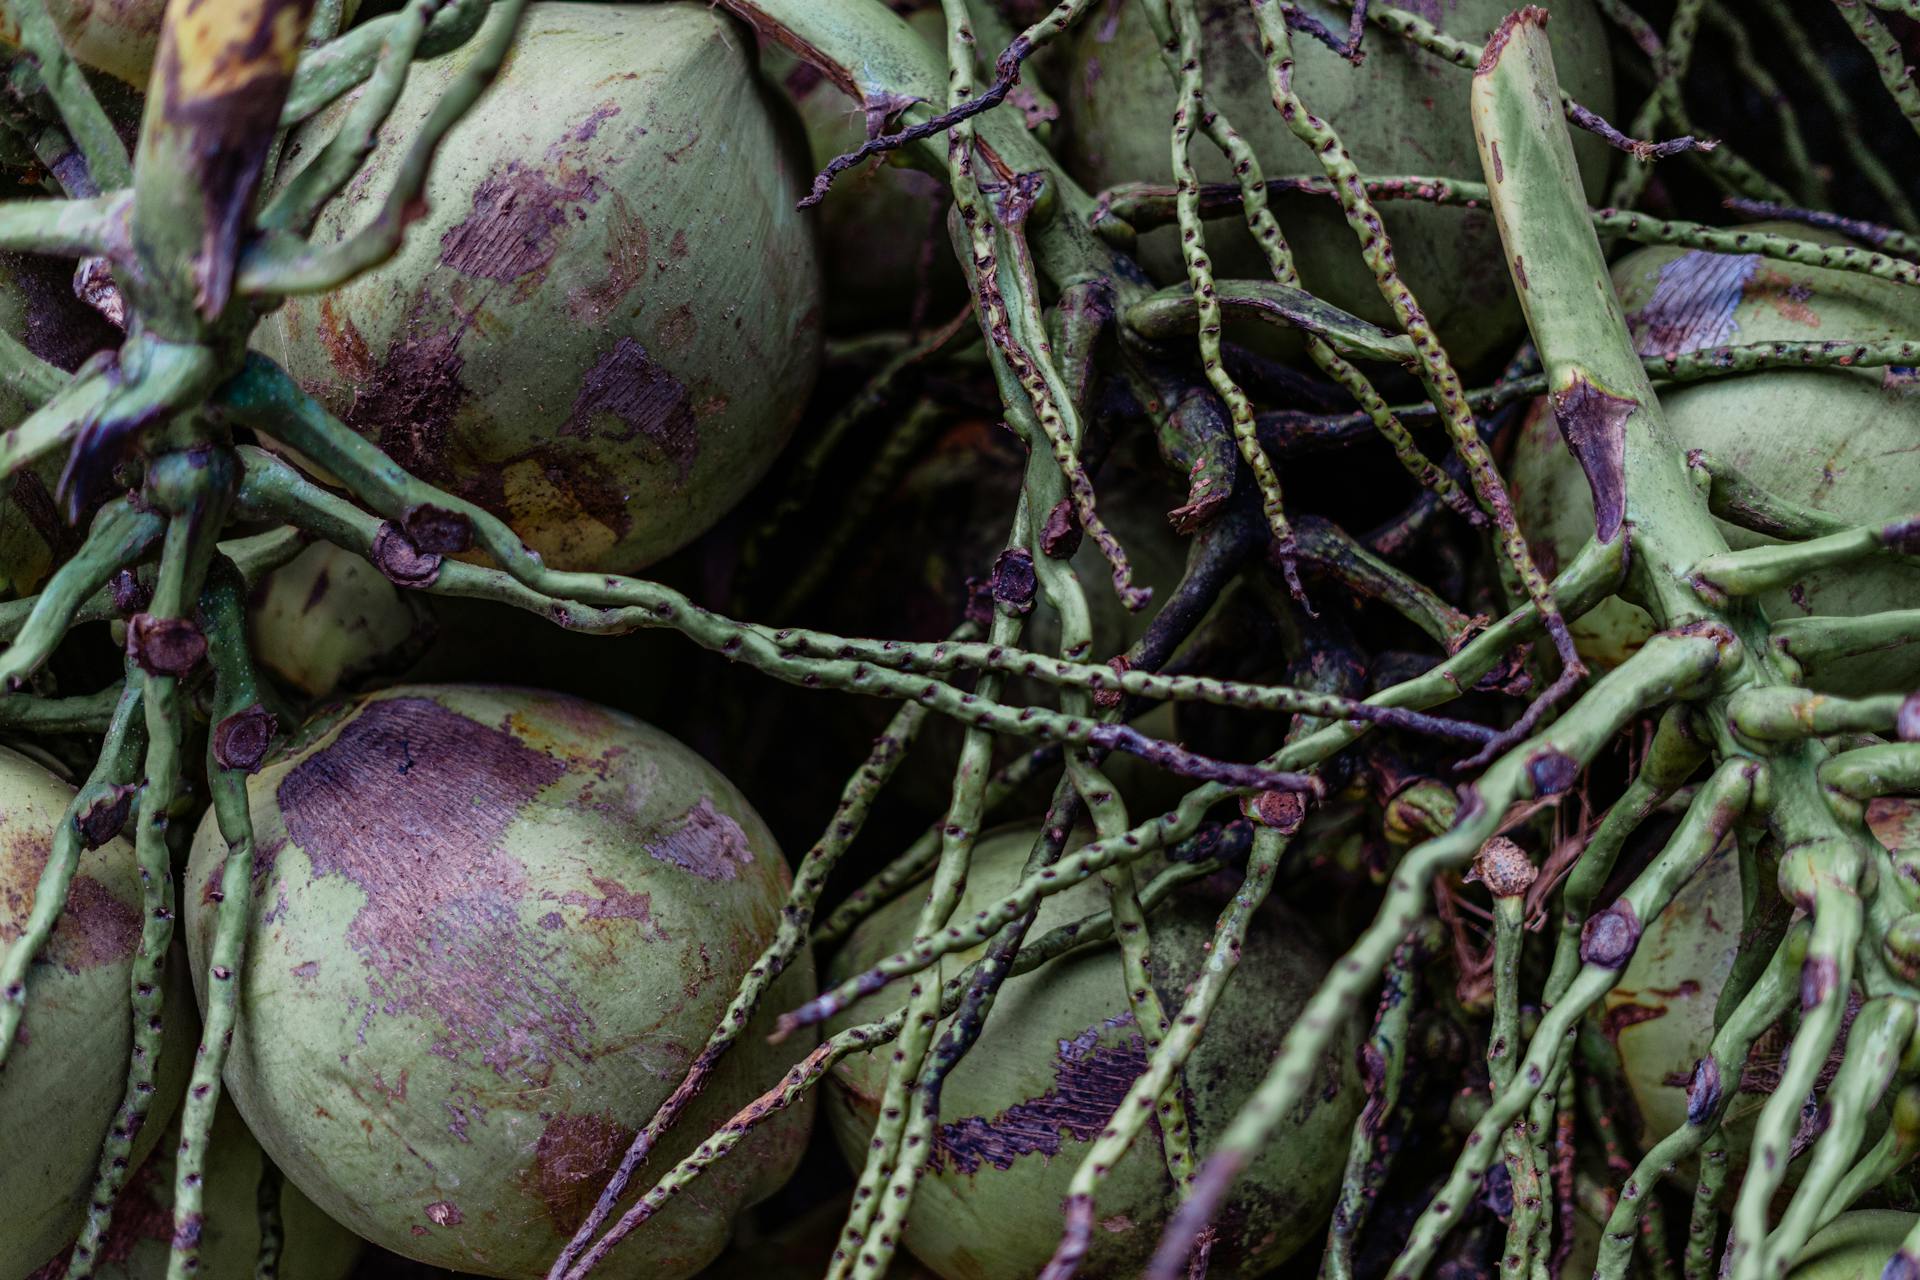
883 226
1661 1011
607 322
492 927
1402 111
1832 439
67 1072
327 621
140 1242
1058 1055
38 309
1854 1246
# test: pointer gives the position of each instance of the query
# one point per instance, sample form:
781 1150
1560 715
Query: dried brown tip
1505 867
1532 14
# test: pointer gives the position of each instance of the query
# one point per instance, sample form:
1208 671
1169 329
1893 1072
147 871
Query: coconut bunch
959 638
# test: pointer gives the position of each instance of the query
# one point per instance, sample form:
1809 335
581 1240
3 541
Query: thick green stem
96 815
241 733
1876 1041
1715 1083
122 533
194 489
1669 667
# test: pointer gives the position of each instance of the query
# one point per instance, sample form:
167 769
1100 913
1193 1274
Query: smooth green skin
1854 1246
1838 440
877 220
1005 1222
1681 965
67 1070
458 1004
607 322
314 1246
1400 111
327 621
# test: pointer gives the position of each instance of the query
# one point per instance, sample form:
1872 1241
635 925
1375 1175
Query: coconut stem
902 1139
1716 1080
122 533
194 489
1143 206
1435 367
1721 802
1091 930
242 731
913 865
72 96
1530 1199
1876 1042
605 603
273 268
1790 35
90 713
96 815
1170 1057
790 938
1383 1065
299 202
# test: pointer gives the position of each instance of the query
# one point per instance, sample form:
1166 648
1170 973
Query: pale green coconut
607 322
492 927
1661 1011
66 1075
1837 440
1402 111
140 1242
1854 1246
1057 1056
327 621
883 226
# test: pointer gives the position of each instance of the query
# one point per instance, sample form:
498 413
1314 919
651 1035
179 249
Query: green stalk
95 816
242 729
1715 1083
1876 1041
193 489
809 879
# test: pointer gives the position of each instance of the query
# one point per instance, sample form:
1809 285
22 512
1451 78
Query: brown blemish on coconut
572 1161
616 902
345 347
1593 422
1090 1081
627 246
1621 1016
513 228
410 803
95 928
630 385
1788 297
704 841
408 402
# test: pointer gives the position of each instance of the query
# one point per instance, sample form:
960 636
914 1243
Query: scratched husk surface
1276 637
